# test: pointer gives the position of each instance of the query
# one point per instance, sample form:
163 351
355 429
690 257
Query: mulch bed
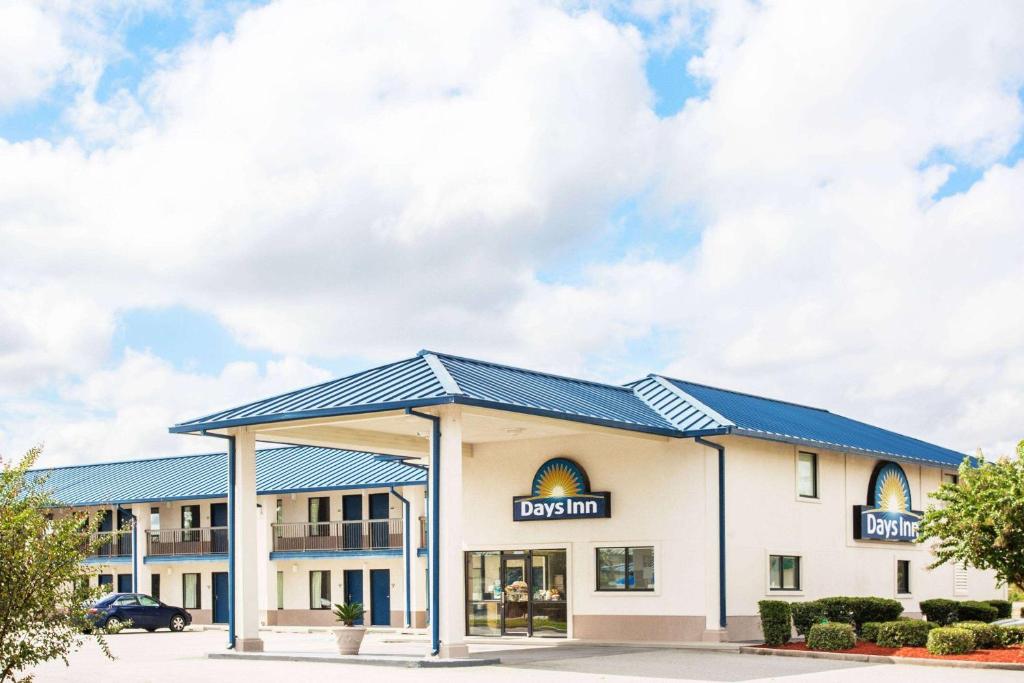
1013 654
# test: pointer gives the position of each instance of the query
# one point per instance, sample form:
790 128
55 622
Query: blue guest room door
354 588
380 597
220 597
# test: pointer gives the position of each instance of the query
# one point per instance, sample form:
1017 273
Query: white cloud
341 179
31 52
124 412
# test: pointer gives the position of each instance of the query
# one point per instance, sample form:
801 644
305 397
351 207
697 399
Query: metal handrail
360 534
114 544
207 540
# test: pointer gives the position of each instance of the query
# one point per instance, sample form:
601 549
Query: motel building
660 510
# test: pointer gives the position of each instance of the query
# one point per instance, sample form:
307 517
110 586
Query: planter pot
349 638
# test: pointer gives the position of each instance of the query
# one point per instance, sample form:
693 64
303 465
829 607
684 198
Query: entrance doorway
354 589
517 593
220 597
380 597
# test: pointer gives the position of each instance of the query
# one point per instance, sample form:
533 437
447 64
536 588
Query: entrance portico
382 410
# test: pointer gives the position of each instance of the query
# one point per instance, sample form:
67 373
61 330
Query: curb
365 660
882 659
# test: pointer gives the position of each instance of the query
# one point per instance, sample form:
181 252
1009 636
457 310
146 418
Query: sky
202 204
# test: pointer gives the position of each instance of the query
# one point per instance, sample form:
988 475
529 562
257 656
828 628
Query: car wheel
112 623
177 623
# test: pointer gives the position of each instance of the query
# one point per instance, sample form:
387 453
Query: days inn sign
888 515
561 490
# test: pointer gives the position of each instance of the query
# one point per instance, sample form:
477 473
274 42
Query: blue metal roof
434 378
654 404
278 470
767 418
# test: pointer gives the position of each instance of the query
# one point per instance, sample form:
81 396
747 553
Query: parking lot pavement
165 657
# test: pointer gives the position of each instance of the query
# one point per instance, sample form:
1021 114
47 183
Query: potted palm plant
349 636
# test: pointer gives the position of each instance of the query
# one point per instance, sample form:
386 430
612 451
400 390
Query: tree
44 589
979 521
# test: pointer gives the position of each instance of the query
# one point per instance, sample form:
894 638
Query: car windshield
107 599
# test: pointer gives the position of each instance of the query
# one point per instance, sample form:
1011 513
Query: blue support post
722 618
231 534
434 552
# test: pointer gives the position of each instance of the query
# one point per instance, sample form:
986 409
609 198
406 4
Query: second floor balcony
193 541
112 544
355 535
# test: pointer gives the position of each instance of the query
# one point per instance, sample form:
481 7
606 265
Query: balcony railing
363 534
194 541
114 544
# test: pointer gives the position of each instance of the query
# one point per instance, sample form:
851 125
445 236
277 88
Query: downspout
722 620
407 552
231 534
435 545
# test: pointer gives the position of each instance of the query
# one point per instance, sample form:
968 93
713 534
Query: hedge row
903 633
943 611
848 610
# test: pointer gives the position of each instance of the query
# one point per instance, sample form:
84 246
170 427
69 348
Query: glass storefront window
517 593
611 568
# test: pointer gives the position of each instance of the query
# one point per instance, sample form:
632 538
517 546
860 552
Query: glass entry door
515 617
517 593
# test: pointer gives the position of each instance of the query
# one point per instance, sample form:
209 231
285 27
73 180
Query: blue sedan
142 610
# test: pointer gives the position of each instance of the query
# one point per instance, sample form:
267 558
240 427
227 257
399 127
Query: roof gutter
722 618
433 527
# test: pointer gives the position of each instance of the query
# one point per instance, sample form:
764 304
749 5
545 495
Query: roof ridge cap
448 382
694 401
516 368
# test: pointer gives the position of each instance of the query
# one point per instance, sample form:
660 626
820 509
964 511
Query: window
903 577
279 511
784 572
126 601
280 590
106 580
189 520
190 591
154 586
189 516
154 524
807 475
950 478
319 514
147 601
319 590
630 569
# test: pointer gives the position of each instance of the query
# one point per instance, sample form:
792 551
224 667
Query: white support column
141 512
452 606
247 612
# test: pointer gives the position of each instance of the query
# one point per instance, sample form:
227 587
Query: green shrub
776 621
869 631
903 633
984 634
1004 608
838 609
974 610
806 615
950 640
834 636
874 609
940 610
1009 635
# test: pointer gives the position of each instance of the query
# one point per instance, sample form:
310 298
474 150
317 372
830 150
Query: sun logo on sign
559 478
892 491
